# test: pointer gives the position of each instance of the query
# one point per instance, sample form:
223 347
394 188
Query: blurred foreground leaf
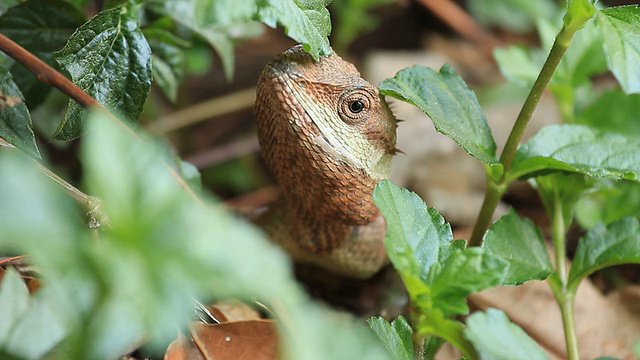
137 279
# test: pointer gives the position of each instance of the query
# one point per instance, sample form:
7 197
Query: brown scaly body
327 136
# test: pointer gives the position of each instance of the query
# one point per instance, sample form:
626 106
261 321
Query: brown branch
206 110
462 23
225 152
49 75
46 73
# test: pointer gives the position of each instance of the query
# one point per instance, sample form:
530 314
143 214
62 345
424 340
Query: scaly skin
328 137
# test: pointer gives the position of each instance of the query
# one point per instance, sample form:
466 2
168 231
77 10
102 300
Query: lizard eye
356 106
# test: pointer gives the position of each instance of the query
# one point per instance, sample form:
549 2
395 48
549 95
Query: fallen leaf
241 340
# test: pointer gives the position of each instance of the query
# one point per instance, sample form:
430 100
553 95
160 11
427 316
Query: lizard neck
327 137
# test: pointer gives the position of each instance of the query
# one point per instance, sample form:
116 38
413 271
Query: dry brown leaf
241 335
605 325
241 340
234 310
183 349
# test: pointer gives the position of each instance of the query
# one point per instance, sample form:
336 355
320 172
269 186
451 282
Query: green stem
495 188
563 295
571 339
491 198
558 49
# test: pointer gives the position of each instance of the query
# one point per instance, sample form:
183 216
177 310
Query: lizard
327 136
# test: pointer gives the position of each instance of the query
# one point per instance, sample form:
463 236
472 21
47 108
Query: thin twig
225 152
96 217
206 110
463 24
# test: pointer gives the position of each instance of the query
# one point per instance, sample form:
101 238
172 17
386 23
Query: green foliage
572 78
162 249
305 21
607 201
520 243
496 338
580 149
221 22
451 105
617 243
168 59
110 59
105 291
515 15
42 316
352 17
15 120
578 13
619 26
613 111
439 273
211 21
395 336
42 27
561 158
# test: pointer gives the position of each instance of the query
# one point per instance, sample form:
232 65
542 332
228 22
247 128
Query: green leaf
620 28
463 273
351 18
45 320
15 120
168 58
560 191
437 273
395 336
496 338
451 105
583 59
607 202
578 13
519 242
306 21
417 237
519 64
41 27
219 22
14 302
613 111
109 58
515 15
579 149
614 244
430 347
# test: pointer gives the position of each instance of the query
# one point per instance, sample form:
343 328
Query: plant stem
558 49
491 199
496 188
95 215
563 295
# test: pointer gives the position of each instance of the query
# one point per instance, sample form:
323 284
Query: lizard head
327 135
